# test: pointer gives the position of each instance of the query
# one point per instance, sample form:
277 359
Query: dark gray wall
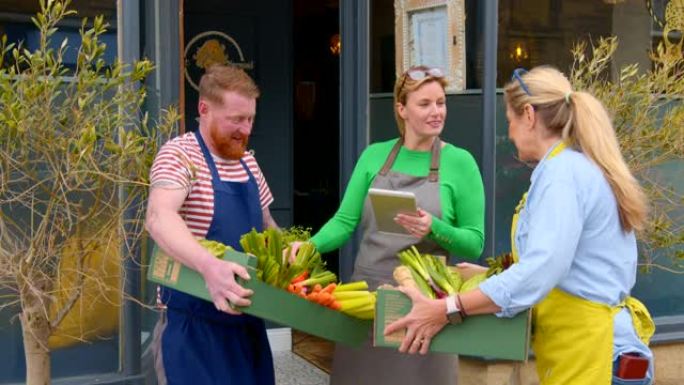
264 32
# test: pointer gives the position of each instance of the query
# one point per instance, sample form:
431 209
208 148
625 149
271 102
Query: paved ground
290 369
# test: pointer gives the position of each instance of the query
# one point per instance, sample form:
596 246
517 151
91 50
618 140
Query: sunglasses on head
517 75
420 74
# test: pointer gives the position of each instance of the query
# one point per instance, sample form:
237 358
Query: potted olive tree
647 107
75 151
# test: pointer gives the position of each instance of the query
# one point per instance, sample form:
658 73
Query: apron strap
434 162
215 179
641 319
392 157
433 176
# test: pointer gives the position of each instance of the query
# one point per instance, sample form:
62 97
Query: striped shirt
181 164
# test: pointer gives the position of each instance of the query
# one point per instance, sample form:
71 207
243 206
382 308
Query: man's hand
224 291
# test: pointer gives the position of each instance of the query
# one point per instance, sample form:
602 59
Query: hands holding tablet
418 225
397 212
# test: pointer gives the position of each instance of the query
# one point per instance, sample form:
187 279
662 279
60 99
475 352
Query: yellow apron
573 337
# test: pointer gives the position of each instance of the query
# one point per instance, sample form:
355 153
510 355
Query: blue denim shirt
569 236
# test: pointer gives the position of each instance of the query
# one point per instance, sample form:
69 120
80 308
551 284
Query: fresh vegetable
499 263
428 272
356 303
320 278
217 249
402 274
358 285
305 275
271 248
496 265
473 282
456 278
435 280
296 233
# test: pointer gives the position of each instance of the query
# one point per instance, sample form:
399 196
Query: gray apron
375 263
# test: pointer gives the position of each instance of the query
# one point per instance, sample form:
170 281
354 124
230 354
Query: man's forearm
171 233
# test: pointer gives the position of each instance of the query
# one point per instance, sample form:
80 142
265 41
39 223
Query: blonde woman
575 240
448 188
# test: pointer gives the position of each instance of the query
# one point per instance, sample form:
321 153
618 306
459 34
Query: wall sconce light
335 44
519 53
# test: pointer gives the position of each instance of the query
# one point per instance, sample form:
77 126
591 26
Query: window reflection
15 22
535 32
100 353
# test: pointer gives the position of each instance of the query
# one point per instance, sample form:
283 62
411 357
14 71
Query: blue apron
204 346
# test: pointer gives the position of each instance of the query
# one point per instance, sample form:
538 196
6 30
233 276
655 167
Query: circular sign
209 48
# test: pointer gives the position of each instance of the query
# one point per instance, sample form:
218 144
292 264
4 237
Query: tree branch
76 293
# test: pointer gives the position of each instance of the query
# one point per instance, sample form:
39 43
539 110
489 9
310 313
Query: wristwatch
454 313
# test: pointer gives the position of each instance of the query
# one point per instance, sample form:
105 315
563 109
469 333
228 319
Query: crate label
166 269
393 311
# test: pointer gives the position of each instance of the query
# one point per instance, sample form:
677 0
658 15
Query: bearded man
205 184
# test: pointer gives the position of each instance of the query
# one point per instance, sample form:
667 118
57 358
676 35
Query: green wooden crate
485 336
268 302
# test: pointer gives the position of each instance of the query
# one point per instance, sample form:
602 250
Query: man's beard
226 146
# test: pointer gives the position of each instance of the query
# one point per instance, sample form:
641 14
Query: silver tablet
387 204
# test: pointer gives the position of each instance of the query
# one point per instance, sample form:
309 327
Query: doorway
255 36
291 48
316 143
296 65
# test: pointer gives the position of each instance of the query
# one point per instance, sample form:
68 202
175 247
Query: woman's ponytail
583 123
592 131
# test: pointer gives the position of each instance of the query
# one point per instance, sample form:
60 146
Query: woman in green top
450 219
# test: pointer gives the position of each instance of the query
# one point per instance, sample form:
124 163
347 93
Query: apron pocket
632 381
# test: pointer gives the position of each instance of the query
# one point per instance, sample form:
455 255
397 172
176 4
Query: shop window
16 24
98 353
382 45
537 32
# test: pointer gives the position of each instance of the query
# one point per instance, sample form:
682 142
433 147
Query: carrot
330 288
291 288
313 297
317 287
324 298
336 305
304 275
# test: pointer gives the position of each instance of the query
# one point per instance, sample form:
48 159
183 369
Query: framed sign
431 33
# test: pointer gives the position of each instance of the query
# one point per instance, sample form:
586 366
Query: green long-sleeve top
460 230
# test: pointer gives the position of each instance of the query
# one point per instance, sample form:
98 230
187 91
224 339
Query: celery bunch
430 274
355 300
296 233
217 249
272 248
435 280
